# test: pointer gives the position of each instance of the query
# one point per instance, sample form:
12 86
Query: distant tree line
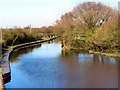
24 35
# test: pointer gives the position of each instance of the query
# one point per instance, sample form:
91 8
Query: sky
38 13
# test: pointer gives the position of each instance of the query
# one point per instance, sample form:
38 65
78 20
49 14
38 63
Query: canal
46 66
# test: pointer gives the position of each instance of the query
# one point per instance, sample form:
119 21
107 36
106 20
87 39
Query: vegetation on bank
16 36
33 42
91 27
117 55
19 35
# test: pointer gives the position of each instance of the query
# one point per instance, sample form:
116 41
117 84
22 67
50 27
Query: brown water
46 66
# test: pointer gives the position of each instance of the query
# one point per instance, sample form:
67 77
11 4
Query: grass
27 43
117 55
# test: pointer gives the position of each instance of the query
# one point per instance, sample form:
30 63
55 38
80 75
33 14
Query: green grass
83 39
26 43
116 55
108 54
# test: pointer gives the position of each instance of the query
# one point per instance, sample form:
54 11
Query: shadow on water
47 66
22 51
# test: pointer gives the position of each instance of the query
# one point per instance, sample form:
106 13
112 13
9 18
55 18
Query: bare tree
92 14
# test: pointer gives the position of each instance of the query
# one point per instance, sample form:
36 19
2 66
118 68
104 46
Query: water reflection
22 51
84 58
47 66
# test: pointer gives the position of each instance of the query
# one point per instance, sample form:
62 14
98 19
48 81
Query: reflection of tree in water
70 59
97 59
66 53
22 51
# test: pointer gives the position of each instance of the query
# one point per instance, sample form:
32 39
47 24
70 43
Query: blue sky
39 13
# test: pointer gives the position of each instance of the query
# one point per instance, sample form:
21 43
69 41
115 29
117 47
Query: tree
92 14
89 26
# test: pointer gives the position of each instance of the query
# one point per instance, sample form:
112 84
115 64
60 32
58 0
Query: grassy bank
29 43
7 48
115 55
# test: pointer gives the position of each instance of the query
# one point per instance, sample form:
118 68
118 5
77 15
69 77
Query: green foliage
90 26
21 36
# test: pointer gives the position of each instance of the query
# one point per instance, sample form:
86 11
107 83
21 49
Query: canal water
46 66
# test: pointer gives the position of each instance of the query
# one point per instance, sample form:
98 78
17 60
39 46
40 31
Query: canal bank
5 71
1 80
114 55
